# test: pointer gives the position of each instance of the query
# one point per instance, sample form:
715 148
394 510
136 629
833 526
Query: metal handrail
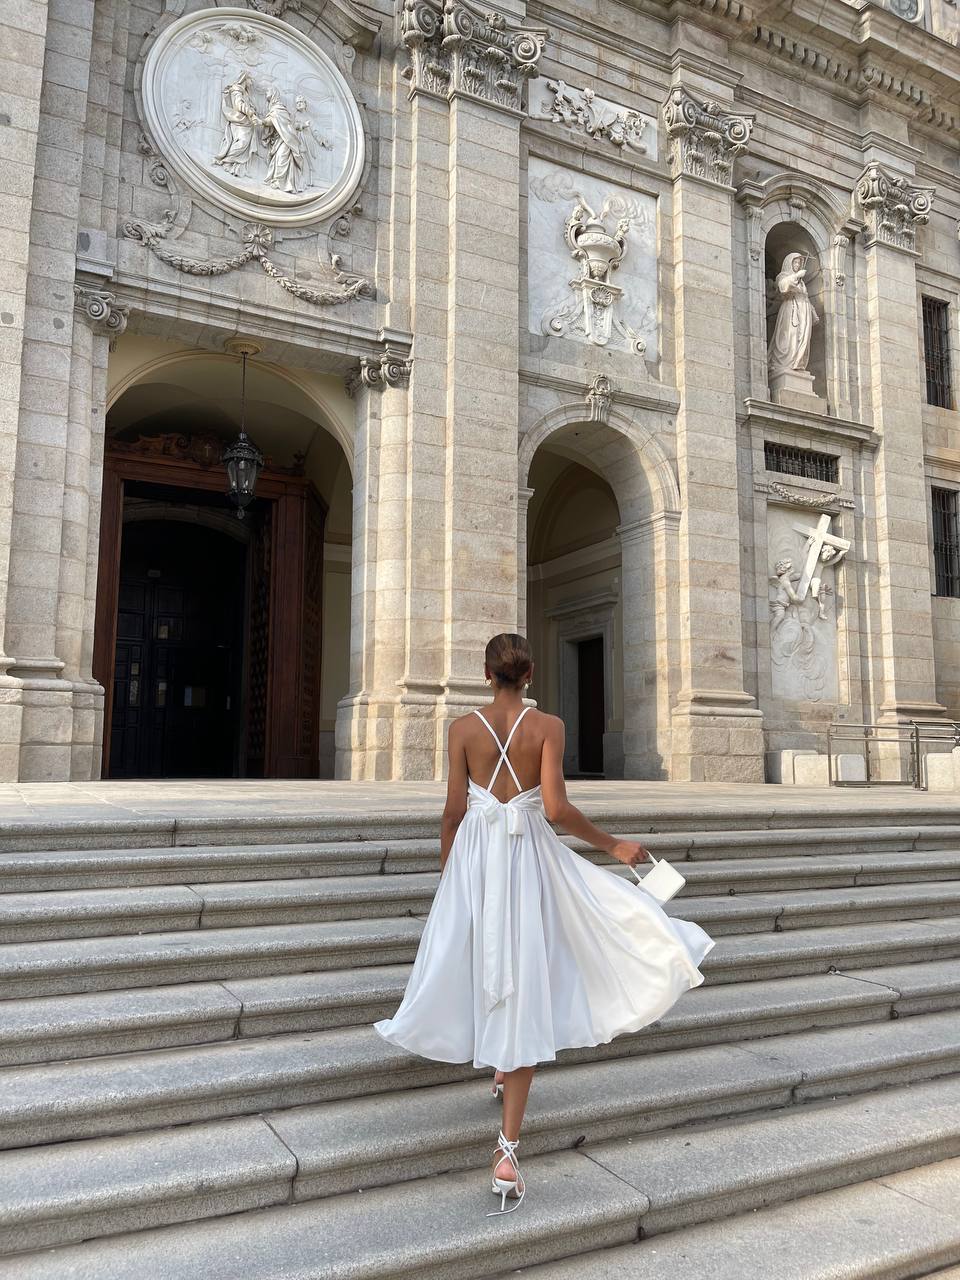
910 734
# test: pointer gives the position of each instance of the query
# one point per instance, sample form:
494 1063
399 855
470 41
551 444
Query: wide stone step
752 856
113 1095
38 917
577 1203
893 1227
50 1028
78 965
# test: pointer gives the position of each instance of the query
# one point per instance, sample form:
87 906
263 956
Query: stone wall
553 232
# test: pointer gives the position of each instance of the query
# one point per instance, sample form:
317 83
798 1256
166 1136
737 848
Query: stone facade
513 275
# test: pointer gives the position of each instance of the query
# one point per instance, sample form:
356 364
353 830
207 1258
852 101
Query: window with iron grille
946 541
936 352
791 461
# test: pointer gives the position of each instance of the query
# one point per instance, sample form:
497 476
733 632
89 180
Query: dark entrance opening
591 712
178 675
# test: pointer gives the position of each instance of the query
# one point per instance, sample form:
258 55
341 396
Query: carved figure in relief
793 640
789 347
284 143
239 144
822 548
311 143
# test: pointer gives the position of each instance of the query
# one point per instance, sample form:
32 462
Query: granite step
96 1097
579 1203
84 913
79 965
893 1227
49 1028
931 850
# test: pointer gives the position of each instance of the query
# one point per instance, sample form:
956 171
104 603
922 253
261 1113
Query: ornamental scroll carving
583 111
893 207
705 140
455 49
101 310
390 369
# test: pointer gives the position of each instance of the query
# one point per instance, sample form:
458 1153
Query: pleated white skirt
529 948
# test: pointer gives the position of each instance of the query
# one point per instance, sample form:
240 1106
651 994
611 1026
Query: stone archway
623 452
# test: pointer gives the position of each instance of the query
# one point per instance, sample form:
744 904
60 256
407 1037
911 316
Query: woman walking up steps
530 948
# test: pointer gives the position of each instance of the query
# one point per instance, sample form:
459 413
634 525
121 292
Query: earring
488 681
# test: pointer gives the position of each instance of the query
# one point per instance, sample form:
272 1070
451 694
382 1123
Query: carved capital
704 139
389 369
456 49
101 310
893 208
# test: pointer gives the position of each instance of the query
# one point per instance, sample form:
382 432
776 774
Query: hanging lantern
242 459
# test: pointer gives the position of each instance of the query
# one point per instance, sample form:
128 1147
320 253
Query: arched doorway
599 519
226 631
574 610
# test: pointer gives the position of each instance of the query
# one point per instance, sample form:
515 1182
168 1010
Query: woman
530 948
789 348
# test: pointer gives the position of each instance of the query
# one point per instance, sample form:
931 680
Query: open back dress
530 948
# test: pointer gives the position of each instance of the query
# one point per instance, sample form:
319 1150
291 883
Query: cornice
766 415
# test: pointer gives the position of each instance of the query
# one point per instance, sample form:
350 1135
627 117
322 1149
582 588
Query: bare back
525 752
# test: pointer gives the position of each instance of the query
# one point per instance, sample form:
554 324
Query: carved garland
705 140
257 240
455 49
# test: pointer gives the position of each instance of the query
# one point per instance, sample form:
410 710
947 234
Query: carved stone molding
705 140
894 209
389 369
583 111
456 49
599 397
338 286
817 501
101 310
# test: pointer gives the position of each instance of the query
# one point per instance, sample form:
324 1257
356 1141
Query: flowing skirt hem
636 1024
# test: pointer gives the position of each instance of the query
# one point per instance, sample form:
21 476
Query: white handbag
663 882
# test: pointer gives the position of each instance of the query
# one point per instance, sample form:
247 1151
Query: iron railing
910 738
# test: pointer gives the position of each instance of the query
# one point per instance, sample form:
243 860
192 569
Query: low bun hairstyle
509 659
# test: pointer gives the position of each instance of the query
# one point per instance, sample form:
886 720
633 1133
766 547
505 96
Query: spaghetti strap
504 748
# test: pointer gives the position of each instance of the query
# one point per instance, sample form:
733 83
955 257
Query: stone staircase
190 1086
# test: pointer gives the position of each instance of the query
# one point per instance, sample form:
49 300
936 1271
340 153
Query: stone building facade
629 325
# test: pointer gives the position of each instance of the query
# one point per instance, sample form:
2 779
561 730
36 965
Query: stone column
894 209
467 75
716 728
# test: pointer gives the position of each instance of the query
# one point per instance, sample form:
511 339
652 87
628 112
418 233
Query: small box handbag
662 882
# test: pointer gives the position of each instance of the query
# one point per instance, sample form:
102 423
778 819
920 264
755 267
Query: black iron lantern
242 459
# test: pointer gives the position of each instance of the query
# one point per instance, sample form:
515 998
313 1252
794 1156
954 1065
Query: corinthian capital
101 310
892 206
704 139
456 49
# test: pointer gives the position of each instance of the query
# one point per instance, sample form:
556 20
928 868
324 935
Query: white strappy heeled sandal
504 1187
497 1090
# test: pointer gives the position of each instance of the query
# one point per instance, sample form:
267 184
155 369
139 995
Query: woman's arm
560 811
456 805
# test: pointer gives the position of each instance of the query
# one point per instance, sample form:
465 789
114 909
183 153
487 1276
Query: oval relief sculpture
252 115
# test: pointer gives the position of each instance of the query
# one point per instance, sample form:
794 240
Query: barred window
791 461
946 541
936 352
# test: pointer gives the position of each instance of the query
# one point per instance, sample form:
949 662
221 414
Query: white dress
530 948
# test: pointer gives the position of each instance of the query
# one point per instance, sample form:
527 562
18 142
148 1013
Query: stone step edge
82 833
898 1210
111 1096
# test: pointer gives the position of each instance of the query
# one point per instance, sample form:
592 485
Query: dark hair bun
509 660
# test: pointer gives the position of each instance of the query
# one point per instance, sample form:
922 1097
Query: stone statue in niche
802 627
788 351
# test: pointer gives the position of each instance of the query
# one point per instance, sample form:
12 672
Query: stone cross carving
705 139
822 548
893 207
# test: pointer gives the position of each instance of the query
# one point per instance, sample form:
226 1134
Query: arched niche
782 241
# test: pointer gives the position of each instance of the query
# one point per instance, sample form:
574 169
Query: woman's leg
516 1087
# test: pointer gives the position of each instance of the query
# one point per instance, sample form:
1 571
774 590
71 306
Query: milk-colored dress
529 948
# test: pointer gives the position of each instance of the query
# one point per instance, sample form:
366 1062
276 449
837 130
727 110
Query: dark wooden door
176 695
592 712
